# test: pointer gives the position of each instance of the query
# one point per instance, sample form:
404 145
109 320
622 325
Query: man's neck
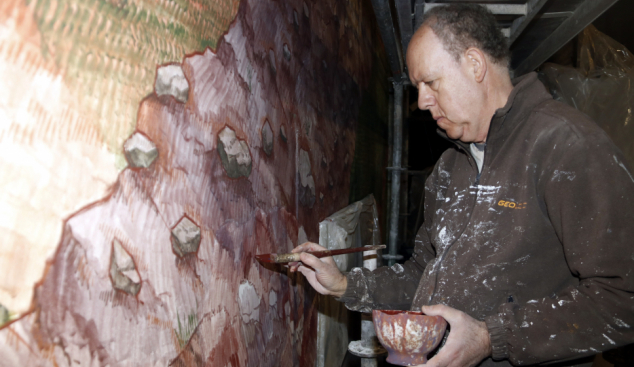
498 89
501 88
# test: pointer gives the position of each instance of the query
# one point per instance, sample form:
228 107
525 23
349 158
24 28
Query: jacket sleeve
592 212
393 288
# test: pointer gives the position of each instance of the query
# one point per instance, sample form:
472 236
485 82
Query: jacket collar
527 93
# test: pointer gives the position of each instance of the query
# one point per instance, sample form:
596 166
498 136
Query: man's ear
477 63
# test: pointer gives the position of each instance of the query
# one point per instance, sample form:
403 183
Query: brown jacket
539 245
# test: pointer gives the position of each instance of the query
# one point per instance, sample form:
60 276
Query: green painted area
186 328
108 51
5 315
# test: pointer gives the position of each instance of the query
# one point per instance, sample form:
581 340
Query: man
526 249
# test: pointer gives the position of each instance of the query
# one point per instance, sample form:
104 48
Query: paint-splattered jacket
539 245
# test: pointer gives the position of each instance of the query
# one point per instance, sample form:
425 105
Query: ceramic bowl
408 336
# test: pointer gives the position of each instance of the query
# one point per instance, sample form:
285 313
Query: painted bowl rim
403 312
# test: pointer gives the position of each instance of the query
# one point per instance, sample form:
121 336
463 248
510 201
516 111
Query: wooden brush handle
287 258
345 251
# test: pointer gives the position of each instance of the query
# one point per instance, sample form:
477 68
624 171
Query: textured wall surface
72 75
234 124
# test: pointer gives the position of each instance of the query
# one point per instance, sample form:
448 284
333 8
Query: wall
148 150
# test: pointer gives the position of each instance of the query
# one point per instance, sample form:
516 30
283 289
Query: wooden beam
585 14
519 24
506 9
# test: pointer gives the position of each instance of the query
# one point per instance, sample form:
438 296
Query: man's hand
322 273
468 342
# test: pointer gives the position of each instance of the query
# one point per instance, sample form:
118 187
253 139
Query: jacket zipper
475 185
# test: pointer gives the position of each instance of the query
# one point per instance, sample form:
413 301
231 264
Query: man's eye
430 83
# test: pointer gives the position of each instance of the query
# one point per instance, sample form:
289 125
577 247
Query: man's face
445 87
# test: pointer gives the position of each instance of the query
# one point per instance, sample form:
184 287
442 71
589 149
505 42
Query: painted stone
283 134
307 182
272 61
234 154
123 273
170 80
185 237
272 299
140 151
306 11
267 138
249 302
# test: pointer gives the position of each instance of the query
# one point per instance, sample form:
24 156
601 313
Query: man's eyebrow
419 78
430 75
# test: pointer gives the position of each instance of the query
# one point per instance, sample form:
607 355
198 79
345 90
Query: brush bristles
267 258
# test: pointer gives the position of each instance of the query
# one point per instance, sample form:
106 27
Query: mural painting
148 150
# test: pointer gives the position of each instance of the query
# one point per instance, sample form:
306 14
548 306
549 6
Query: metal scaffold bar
397 150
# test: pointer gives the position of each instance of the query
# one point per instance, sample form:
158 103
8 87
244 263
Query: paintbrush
294 257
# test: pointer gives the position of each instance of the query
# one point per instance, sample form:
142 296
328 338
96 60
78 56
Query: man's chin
453 134
449 129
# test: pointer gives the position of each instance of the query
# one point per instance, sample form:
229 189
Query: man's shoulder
561 121
565 116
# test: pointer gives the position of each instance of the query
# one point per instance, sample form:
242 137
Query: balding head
462 26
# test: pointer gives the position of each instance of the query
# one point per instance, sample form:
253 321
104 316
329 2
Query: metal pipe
388 181
405 23
396 169
404 189
386 29
368 334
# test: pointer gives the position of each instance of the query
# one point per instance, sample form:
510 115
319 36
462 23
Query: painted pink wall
288 76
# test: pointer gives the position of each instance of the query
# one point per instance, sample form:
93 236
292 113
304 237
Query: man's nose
425 99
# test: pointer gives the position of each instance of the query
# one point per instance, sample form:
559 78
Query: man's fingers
329 260
299 248
448 313
468 343
293 266
311 246
440 360
311 261
305 270
308 246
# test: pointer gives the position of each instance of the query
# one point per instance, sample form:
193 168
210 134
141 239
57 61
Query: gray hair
461 26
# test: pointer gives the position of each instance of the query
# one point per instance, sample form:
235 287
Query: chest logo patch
511 204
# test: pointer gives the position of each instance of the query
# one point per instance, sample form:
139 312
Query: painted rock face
408 336
140 151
